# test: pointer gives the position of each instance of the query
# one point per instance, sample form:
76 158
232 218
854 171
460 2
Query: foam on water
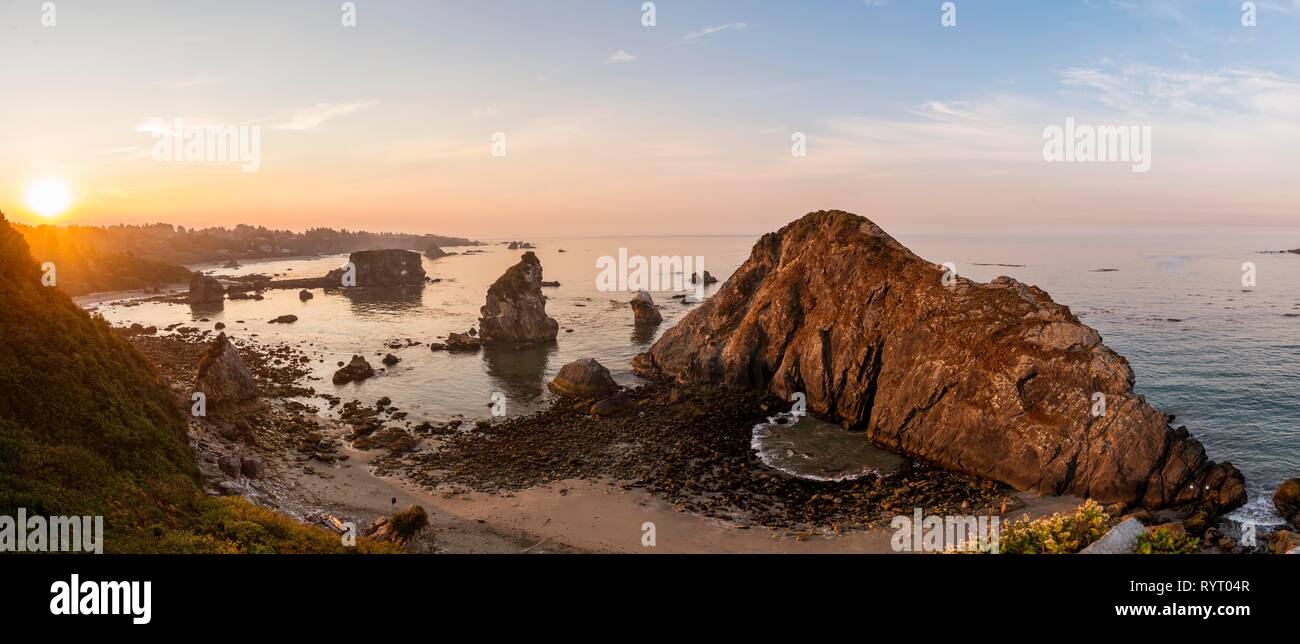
806 447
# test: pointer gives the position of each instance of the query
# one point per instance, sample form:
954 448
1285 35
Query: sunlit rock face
992 379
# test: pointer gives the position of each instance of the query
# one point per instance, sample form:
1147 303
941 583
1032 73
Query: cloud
312 117
620 56
708 31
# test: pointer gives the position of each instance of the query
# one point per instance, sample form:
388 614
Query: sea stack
205 290
223 377
991 379
644 310
515 311
391 267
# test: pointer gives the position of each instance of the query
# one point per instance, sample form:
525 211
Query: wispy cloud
620 56
708 31
313 117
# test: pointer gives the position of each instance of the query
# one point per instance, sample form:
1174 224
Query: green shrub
1163 541
1057 534
87 427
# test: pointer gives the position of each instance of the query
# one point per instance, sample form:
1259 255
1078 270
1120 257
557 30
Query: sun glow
48 197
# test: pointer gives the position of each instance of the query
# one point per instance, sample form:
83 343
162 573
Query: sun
48 197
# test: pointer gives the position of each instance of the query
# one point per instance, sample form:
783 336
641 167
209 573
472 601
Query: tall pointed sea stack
993 379
515 311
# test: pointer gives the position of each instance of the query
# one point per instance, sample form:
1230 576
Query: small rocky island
515 311
389 267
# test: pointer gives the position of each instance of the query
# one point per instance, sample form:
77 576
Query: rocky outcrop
992 379
515 311
205 290
305 295
644 310
583 377
284 319
392 267
224 378
434 252
355 371
1286 500
708 278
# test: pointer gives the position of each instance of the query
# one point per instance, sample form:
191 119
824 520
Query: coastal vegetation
92 259
1057 534
88 427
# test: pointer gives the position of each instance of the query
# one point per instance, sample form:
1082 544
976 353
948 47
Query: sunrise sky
684 128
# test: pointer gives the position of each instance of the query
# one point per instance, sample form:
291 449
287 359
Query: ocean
1223 357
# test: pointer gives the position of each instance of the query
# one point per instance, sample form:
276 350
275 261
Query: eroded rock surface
515 311
991 379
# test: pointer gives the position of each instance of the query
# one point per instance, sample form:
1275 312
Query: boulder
390 360
515 311
305 295
1119 540
994 379
355 371
583 377
708 279
390 267
1283 542
284 319
205 290
644 310
252 467
223 377
229 465
462 342
1286 500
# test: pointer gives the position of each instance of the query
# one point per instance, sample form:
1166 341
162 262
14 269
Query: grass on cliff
87 427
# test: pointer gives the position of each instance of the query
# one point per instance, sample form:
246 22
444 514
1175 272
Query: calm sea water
1223 358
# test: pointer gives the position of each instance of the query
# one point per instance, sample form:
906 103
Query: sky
497 118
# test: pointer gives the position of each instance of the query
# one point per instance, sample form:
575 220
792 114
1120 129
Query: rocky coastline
683 436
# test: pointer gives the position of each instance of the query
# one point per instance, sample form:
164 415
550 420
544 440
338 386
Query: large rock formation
392 267
434 252
993 379
224 379
516 309
205 290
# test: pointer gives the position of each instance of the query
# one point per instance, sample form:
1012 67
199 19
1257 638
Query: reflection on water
383 301
208 309
813 449
644 334
518 373
1222 359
